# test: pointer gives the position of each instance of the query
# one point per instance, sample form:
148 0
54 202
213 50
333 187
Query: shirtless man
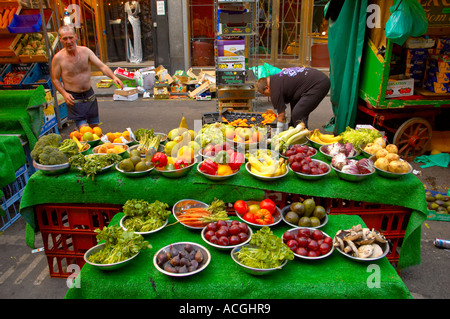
71 76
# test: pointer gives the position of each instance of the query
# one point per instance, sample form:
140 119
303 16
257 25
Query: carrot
11 15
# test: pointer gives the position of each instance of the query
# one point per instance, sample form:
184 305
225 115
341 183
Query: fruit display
299 149
438 202
246 135
308 243
34 44
258 213
6 16
110 148
182 258
248 119
324 139
13 77
291 136
135 163
224 163
87 133
361 243
267 167
305 213
387 159
303 164
181 144
226 234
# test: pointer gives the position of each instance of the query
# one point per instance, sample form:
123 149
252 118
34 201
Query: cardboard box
231 63
231 48
235 24
127 91
200 89
399 87
235 93
124 74
231 77
132 97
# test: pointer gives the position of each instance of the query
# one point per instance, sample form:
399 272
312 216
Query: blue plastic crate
39 74
62 110
14 68
27 23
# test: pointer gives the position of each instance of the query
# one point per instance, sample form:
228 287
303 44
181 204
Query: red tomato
263 217
250 217
241 207
268 204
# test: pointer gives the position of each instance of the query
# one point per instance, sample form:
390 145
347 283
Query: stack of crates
68 231
390 220
12 194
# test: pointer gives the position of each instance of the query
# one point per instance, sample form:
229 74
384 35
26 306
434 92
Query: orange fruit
110 136
97 130
224 169
86 129
117 140
117 134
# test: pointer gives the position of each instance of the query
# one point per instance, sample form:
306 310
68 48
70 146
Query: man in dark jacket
303 88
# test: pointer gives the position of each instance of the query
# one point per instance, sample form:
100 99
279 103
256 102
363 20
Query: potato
381 153
382 163
392 157
380 141
398 167
372 148
392 148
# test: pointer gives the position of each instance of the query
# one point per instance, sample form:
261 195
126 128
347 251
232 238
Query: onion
339 160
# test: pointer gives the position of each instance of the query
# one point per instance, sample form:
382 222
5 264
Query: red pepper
236 160
180 164
209 167
263 217
159 159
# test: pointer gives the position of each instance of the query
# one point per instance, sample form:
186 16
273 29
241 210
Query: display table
113 188
334 277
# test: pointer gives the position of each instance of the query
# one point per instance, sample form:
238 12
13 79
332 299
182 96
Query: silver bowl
265 178
105 267
134 173
94 142
179 206
86 150
203 156
315 151
204 230
363 152
52 169
122 154
351 177
388 174
311 177
330 157
276 216
242 146
122 220
104 169
201 266
314 143
160 149
273 154
216 177
312 258
286 210
384 247
163 139
252 270
177 173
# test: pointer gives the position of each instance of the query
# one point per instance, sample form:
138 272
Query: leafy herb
143 216
359 137
119 245
91 164
265 251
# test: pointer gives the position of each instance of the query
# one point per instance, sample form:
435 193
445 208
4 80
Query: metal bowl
330 157
94 142
122 220
312 258
286 210
363 152
163 139
287 157
204 230
201 266
125 147
184 204
265 178
384 247
203 156
351 177
177 173
216 177
242 146
104 169
134 174
273 154
85 152
251 270
314 143
160 149
388 174
105 267
52 169
311 177
276 216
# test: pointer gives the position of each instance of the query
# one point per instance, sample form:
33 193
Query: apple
245 133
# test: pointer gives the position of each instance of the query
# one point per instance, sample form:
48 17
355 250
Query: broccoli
69 147
52 155
52 139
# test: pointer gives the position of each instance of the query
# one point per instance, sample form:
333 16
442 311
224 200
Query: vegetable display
200 217
119 245
359 137
49 150
291 136
90 165
265 250
144 216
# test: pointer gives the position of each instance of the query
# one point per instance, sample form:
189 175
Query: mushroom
353 236
352 245
379 237
339 243
365 251
377 251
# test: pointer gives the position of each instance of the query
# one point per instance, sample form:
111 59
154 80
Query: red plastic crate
62 266
68 243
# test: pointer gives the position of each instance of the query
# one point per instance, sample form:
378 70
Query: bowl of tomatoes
258 213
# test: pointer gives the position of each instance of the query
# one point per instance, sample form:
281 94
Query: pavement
24 274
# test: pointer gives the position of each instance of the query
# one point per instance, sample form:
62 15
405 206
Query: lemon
88 136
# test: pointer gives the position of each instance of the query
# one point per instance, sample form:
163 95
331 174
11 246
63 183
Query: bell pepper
180 164
236 160
209 167
222 157
263 217
159 160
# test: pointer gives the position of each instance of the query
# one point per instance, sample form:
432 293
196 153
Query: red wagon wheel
413 138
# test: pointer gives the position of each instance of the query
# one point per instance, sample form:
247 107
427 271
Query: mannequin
132 8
